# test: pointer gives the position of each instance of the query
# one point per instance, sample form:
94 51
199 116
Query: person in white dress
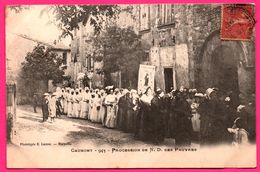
103 107
98 105
195 115
76 105
65 97
52 105
70 103
85 104
92 111
95 107
80 97
110 102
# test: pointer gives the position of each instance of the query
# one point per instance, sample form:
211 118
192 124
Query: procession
185 115
176 82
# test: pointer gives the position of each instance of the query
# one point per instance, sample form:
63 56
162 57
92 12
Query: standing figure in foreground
35 100
85 104
70 103
157 112
110 102
45 110
143 120
240 135
53 106
182 111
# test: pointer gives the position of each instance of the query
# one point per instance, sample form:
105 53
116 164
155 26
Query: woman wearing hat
195 115
110 102
143 124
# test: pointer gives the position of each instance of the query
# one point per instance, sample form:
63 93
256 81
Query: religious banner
146 77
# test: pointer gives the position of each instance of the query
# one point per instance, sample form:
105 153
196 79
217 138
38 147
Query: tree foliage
68 17
42 64
18 8
122 51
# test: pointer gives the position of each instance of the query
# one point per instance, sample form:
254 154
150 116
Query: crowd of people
185 115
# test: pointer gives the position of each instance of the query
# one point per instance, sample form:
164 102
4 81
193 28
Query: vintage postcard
131 86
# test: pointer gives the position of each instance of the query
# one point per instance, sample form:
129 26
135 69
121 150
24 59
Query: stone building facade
183 42
82 61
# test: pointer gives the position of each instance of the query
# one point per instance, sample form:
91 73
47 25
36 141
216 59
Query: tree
18 8
122 51
68 17
41 65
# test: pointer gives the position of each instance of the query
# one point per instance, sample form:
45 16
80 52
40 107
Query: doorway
224 69
168 79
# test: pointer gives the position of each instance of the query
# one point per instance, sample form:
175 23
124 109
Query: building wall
196 35
204 26
158 38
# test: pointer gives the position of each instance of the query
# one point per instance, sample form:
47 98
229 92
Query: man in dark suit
45 107
158 113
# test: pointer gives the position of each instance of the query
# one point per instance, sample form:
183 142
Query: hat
227 99
54 94
194 90
125 91
240 108
199 95
209 91
158 91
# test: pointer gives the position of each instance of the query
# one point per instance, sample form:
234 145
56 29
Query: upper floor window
166 14
144 17
64 58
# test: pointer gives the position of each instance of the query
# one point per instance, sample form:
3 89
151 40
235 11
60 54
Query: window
166 14
89 62
146 56
64 58
144 15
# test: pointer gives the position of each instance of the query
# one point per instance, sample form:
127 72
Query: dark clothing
172 122
45 110
58 108
143 122
183 130
130 115
213 122
35 102
158 120
166 109
122 111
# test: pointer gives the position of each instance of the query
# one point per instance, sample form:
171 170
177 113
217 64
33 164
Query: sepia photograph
130 86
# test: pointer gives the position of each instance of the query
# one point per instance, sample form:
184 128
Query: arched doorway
218 64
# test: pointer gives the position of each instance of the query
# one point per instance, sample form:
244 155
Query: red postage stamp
237 22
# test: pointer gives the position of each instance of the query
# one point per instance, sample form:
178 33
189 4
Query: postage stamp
237 22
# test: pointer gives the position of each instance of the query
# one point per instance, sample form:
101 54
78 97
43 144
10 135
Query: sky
31 23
